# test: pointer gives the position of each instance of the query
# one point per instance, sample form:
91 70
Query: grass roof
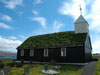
59 39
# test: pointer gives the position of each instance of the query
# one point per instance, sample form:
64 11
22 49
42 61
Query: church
61 47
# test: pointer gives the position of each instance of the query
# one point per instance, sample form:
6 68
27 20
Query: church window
22 52
32 52
63 51
45 52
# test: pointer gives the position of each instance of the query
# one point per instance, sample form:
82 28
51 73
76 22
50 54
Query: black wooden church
61 47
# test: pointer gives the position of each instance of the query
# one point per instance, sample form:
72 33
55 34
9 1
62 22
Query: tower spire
80 10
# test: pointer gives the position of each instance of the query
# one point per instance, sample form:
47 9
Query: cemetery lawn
97 68
36 69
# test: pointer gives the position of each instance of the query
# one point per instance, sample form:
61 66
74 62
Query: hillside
9 54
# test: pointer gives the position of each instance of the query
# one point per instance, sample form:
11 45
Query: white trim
46 52
22 52
55 63
63 51
32 52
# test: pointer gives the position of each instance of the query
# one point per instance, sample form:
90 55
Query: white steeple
81 25
80 19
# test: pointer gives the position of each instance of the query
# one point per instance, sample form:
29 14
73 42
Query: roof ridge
80 19
51 33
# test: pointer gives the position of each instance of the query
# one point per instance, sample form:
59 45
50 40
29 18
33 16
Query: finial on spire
80 10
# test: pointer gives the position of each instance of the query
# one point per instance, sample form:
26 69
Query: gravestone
46 67
7 70
1 72
26 70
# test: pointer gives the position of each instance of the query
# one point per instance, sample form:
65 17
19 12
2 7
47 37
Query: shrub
94 59
19 65
1 64
12 64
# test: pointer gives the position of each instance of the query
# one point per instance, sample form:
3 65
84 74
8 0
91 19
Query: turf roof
59 39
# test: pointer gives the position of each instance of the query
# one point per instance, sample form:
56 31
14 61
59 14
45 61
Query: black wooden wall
73 54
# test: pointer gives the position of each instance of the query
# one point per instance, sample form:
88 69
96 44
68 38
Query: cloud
6 18
94 15
41 20
73 8
12 38
5 26
35 12
20 12
54 27
96 46
23 37
11 4
37 1
8 44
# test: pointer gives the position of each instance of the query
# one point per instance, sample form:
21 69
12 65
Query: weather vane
80 10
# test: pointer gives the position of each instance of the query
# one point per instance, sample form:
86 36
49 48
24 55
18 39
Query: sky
20 19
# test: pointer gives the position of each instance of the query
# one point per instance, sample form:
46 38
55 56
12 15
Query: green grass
70 70
6 60
96 55
97 68
37 68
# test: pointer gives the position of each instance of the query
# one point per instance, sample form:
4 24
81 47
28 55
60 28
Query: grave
1 72
46 67
50 72
7 70
26 70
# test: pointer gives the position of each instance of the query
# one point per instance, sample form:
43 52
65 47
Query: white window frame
32 52
22 52
46 52
63 52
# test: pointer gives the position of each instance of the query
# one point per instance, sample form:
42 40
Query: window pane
63 51
45 52
22 52
31 52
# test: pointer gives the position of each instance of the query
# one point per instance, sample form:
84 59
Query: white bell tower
81 25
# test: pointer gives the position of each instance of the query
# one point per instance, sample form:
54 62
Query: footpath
89 69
